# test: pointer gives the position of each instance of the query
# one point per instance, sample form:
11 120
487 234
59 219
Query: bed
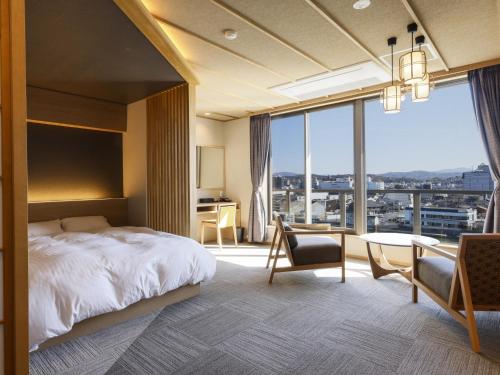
82 281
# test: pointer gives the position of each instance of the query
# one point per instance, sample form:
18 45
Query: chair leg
415 294
271 249
343 273
275 260
219 238
202 233
235 236
472 329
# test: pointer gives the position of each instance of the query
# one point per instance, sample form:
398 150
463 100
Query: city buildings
479 179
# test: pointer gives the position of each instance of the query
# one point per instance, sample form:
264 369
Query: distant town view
451 201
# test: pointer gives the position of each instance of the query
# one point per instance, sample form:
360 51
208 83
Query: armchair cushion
292 240
436 273
316 249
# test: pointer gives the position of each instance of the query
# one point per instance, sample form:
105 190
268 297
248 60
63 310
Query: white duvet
74 276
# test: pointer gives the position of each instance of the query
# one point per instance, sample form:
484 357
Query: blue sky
438 134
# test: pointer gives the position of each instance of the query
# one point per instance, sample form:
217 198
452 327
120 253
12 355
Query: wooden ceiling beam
269 33
144 21
222 48
428 38
332 21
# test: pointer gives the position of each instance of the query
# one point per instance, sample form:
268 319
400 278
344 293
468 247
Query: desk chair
468 281
226 218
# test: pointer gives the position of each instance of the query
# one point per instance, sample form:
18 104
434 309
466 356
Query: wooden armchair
306 249
468 282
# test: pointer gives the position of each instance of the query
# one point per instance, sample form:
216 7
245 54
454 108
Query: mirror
210 167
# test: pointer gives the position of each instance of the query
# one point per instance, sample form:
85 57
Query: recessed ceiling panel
298 23
465 31
206 19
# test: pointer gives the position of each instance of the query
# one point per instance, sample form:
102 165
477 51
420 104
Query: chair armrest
316 226
435 250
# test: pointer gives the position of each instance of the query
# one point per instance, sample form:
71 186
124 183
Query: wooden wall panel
14 187
168 161
53 107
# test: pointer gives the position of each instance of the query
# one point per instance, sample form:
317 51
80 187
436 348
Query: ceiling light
361 4
230 34
412 65
392 94
421 89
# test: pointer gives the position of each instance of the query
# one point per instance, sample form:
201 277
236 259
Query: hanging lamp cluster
413 75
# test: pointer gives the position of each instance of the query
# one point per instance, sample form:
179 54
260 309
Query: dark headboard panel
70 164
114 209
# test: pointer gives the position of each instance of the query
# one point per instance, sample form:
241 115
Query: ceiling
282 41
93 51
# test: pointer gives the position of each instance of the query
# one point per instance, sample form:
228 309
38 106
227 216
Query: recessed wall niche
67 163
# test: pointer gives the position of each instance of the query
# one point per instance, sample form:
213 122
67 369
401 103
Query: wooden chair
468 281
226 218
306 249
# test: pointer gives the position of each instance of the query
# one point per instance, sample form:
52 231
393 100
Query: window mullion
307 167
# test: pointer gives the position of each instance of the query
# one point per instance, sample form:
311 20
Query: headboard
114 209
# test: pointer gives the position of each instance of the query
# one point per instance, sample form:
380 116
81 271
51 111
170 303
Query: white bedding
74 276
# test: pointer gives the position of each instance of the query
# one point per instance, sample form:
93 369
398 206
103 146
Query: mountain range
418 174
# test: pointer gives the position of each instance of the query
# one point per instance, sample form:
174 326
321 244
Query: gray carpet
305 323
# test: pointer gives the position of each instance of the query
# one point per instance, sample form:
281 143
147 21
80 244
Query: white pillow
44 228
84 223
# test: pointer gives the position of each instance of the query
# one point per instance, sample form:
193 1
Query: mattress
74 276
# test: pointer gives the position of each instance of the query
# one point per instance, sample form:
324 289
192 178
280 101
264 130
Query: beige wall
135 163
238 181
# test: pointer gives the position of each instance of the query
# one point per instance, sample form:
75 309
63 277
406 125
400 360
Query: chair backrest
280 227
226 215
480 255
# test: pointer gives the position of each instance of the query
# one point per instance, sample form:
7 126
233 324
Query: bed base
143 307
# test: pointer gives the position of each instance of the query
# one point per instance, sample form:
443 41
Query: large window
312 166
426 170
287 167
429 155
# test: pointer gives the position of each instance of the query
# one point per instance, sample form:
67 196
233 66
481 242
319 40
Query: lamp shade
412 67
420 90
391 97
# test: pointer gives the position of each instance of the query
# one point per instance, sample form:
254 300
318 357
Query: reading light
361 4
392 95
412 65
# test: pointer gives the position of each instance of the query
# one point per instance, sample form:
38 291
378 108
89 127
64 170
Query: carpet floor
304 323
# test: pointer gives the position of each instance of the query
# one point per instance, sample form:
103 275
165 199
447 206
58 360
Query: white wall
135 163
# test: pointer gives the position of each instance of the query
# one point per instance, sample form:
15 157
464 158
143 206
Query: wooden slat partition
168 161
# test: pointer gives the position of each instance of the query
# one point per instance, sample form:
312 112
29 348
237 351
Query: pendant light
421 89
412 65
391 95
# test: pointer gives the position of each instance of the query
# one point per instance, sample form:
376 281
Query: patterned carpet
304 323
